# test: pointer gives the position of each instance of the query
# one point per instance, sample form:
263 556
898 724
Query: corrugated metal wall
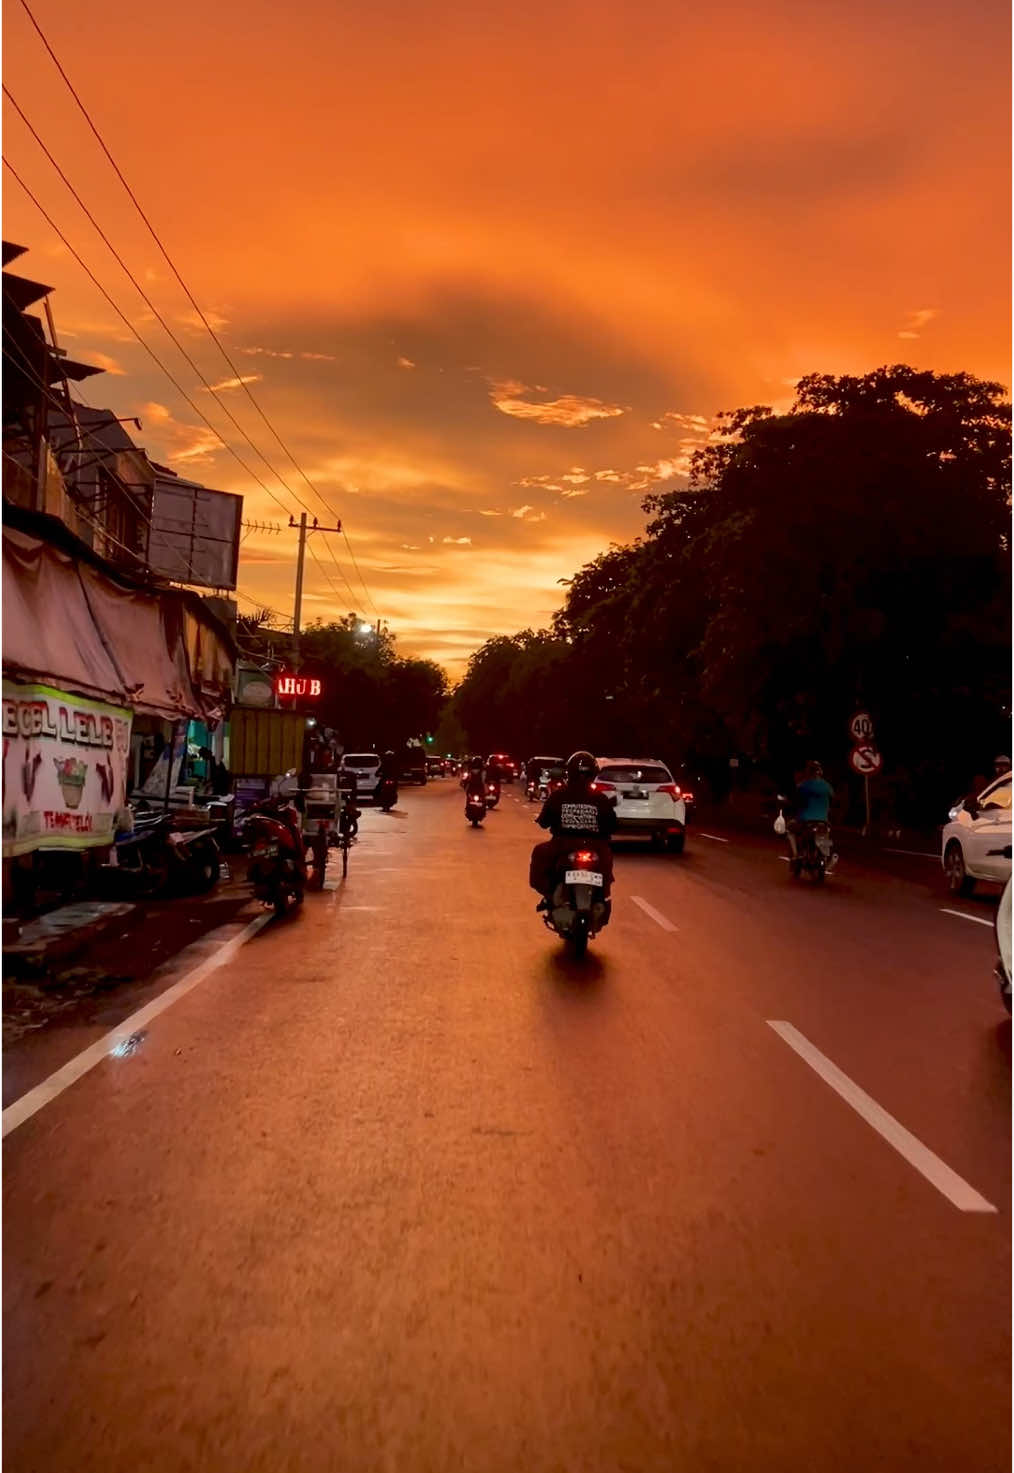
265 743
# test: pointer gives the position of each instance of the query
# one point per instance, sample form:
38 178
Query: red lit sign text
297 685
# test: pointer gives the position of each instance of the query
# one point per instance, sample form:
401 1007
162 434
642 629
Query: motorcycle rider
812 800
572 813
475 781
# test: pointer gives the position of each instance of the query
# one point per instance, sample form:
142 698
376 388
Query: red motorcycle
278 868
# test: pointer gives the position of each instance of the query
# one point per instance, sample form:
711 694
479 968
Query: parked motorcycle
154 857
278 869
577 909
475 809
387 793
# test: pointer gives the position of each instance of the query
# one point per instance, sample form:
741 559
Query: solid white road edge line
953 1187
715 838
963 916
656 915
34 1099
913 853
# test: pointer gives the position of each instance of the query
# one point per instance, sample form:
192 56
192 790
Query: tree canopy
853 551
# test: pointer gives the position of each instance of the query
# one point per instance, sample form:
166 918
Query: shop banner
65 766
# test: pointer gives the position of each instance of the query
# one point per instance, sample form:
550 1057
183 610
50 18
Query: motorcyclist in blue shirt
812 804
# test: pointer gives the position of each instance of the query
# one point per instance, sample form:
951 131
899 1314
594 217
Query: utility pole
304 532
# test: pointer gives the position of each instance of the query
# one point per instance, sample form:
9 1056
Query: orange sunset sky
491 270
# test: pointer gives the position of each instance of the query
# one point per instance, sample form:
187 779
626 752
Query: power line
163 323
197 308
146 346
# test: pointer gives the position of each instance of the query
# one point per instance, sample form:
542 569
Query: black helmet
389 754
475 764
581 766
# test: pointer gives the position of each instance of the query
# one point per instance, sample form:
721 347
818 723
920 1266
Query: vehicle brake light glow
584 856
671 788
601 787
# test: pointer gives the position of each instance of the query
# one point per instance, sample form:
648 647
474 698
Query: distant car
648 799
435 767
973 841
508 767
366 766
413 766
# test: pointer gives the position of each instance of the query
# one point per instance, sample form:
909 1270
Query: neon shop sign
297 685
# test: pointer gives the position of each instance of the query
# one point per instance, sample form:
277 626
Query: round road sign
861 727
865 760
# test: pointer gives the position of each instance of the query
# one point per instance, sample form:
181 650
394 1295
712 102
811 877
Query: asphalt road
401 1187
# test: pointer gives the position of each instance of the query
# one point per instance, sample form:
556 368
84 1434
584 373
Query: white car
648 799
366 766
975 838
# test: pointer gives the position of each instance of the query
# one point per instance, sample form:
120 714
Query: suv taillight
600 787
671 788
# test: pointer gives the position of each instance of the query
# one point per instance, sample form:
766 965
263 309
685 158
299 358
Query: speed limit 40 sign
865 760
861 727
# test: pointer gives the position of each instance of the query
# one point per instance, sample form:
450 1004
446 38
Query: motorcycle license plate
582 877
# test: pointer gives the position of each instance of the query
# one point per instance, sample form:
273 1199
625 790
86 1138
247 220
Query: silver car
366 766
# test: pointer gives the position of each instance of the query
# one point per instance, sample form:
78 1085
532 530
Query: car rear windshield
362 759
632 774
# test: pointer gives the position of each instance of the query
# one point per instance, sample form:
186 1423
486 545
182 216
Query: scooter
154 857
492 794
815 854
387 793
475 809
278 869
577 909
531 789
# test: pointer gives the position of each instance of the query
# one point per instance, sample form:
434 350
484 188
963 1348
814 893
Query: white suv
366 766
647 797
974 840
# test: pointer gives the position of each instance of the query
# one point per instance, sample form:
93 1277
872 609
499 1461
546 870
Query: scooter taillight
583 857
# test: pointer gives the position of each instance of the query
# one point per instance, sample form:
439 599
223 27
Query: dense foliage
371 698
852 552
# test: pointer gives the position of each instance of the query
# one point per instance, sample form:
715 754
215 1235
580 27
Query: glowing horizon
491 274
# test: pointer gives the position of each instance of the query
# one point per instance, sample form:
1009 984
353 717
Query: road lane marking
784 858
118 1042
913 853
964 916
656 915
716 838
953 1187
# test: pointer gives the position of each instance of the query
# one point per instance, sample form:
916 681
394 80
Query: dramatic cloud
917 321
234 383
457 541
105 362
405 363
569 410
630 255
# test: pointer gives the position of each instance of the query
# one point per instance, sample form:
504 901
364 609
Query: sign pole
866 786
297 608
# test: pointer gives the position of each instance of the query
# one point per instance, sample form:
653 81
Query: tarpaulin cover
68 624
48 629
145 634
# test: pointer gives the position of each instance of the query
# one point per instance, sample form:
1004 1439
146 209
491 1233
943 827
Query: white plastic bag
780 824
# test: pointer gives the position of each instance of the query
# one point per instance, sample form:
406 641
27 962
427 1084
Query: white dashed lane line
715 838
938 1173
964 916
656 915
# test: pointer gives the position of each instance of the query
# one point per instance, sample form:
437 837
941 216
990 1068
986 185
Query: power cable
165 325
190 296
